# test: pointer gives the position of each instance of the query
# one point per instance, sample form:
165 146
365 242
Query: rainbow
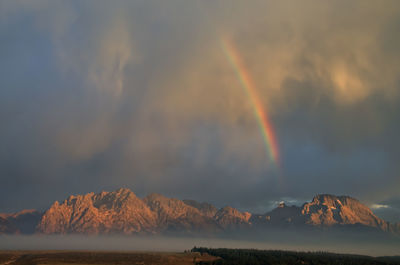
264 123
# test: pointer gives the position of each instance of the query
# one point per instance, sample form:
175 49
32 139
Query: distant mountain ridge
122 212
23 222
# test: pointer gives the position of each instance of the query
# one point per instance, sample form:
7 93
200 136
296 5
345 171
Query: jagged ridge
121 211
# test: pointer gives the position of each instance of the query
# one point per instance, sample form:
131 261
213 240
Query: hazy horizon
278 241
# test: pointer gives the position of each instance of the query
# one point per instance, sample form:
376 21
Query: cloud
389 209
139 94
379 206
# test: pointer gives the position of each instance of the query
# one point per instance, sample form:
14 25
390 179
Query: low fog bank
297 242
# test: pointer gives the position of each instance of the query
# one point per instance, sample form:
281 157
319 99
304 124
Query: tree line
277 257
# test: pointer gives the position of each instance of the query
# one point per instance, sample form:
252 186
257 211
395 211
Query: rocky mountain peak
115 199
230 218
105 212
326 209
332 200
121 211
169 209
178 216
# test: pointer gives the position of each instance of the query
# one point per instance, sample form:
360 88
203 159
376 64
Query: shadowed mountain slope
23 222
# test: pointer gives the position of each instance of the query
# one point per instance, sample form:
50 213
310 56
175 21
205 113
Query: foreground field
197 256
83 258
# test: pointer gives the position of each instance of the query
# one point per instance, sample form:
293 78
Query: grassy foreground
97 257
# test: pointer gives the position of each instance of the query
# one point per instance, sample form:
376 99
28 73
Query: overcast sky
97 95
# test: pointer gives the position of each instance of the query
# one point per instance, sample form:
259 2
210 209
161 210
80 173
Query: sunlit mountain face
121 212
240 105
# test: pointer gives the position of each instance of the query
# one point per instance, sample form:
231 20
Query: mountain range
122 212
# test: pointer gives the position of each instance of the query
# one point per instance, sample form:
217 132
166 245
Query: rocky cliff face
325 211
229 218
107 212
121 211
174 215
205 208
331 210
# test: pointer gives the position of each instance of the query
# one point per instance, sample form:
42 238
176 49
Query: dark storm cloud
138 94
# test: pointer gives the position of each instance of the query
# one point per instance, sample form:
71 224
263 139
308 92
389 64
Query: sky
98 95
